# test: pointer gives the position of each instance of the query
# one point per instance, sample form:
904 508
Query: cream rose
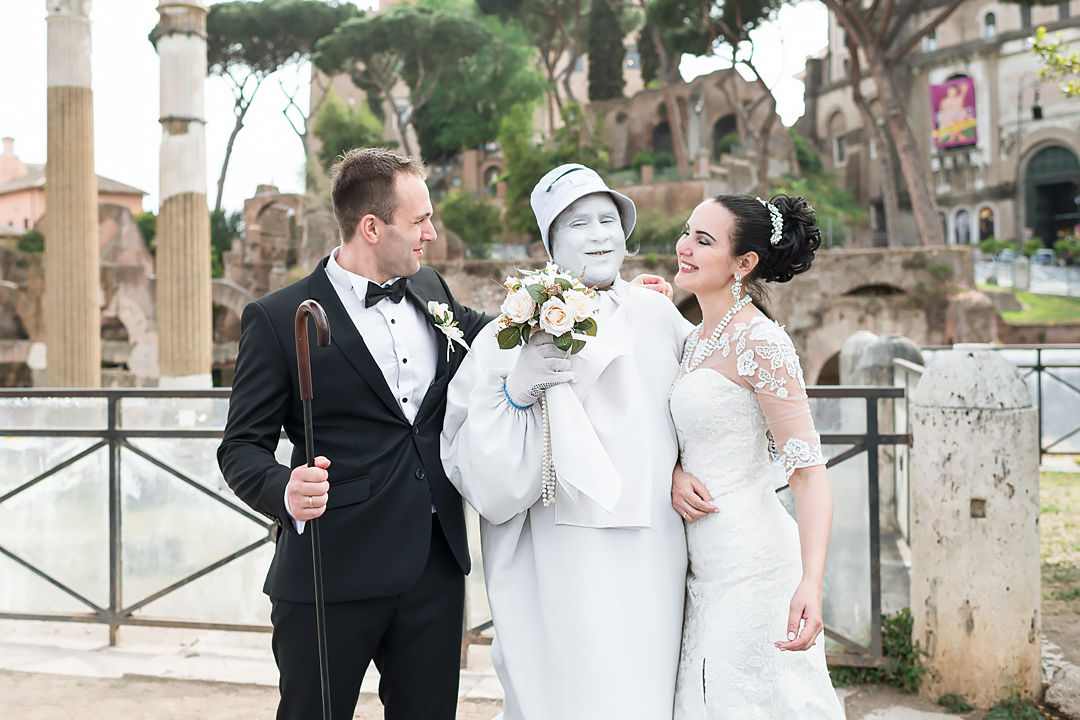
438 310
555 317
519 306
581 306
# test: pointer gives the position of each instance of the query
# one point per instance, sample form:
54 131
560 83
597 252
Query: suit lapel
417 292
344 336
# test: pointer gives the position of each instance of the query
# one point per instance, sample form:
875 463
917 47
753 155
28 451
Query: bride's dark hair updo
753 230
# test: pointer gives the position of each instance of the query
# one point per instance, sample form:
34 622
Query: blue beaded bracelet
511 401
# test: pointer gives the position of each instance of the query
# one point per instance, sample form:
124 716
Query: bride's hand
689 497
805 609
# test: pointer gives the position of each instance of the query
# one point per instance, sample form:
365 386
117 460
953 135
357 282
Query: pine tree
606 52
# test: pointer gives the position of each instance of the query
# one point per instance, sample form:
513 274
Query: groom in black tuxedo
393 530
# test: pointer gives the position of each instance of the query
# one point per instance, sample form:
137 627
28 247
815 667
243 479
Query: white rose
579 304
555 317
518 306
512 283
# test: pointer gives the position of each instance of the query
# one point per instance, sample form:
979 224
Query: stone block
1064 692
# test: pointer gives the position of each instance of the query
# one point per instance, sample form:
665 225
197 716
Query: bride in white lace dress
751 639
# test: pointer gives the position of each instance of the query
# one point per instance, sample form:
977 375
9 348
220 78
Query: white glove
539 366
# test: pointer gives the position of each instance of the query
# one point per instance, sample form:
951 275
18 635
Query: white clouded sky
124 70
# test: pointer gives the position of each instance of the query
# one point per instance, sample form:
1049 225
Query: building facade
22 192
1000 145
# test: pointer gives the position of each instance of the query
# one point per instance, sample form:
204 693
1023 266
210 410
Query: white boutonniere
447 325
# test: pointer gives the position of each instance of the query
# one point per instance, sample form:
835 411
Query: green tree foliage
830 202
650 61
248 41
606 51
1068 249
526 163
556 29
341 128
469 102
475 219
413 44
223 228
1058 65
1031 246
31 241
147 222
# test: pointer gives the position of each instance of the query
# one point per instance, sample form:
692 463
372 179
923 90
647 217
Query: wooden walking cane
303 368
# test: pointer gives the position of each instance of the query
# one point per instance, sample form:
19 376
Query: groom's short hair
362 183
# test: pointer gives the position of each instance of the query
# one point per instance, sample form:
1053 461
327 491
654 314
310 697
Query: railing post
1039 397
872 465
115 544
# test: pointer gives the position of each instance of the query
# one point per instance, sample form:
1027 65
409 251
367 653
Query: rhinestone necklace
692 358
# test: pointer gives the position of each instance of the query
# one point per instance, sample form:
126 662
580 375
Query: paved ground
57 671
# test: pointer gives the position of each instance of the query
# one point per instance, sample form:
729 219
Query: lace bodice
759 357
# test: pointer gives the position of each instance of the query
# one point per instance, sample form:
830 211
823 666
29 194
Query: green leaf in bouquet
510 337
536 292
586 327
564 283
577 347
564 341
526 332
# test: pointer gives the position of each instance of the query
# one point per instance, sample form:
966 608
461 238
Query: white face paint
589 235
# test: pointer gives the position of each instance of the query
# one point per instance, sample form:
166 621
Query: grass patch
1043 310
955 704
1059 522
905 668
1016 708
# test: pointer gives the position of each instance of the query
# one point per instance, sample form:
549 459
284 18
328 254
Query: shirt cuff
298 524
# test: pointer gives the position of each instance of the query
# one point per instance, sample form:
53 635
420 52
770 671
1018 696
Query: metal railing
112 438
115 436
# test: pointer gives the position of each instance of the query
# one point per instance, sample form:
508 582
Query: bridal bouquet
551 300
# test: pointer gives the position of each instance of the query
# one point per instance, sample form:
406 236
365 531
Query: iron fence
117 438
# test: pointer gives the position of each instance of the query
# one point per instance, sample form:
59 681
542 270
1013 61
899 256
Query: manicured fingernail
790 635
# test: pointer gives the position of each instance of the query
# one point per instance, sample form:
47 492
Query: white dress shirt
398 336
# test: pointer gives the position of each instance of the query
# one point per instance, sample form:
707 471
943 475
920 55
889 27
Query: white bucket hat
561 187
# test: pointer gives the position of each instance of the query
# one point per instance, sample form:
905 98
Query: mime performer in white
587 600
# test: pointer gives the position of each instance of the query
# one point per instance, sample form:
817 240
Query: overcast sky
124 70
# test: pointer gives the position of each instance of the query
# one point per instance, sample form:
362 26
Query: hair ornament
777 221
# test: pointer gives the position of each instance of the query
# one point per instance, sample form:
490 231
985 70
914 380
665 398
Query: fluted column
185 350
72 279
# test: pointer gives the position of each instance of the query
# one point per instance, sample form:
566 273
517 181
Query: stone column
876 368
185 341
975 586
851 353
72 281
1021 269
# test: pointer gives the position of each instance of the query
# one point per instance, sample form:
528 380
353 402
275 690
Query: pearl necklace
691 359
547 466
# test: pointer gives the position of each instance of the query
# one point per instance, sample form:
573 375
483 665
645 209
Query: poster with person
953 106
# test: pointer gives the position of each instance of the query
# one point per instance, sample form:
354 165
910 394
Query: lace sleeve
767 363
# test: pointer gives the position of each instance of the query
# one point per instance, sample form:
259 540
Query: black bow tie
394 291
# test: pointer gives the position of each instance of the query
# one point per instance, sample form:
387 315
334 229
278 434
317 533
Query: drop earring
736 287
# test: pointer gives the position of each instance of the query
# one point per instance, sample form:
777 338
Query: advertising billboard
953 107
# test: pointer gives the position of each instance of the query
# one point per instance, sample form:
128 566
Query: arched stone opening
830 371
724 134
875 290
661 138
1052 192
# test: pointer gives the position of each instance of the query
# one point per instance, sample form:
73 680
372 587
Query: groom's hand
308 490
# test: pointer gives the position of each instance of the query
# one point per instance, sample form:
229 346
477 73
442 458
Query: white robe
587 604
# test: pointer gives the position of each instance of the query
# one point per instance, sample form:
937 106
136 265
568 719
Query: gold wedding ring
310 504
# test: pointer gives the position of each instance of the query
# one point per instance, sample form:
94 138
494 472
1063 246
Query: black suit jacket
385 473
